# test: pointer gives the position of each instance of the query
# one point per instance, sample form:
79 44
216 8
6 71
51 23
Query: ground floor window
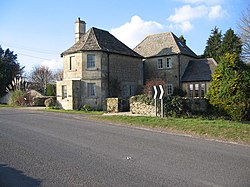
91 87
128 90
170 89
64 91
197 89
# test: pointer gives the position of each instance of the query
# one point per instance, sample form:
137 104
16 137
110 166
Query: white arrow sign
162 92
155 90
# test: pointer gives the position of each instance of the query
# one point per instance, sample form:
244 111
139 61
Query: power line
18 46
33 56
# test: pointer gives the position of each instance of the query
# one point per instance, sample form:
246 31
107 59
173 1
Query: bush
86 108
49 102
51 90
17 98
147 99
175 107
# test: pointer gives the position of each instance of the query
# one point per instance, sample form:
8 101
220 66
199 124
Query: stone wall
112 105
197 104
142 108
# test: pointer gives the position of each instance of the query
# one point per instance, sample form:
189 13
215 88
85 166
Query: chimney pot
80 29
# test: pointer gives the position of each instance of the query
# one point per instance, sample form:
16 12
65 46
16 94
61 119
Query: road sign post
155 98
161 91
161 98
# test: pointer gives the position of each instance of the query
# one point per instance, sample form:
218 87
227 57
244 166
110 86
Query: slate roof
162 44
199 70
100 40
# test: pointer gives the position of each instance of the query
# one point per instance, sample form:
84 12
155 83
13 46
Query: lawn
74 111
217 129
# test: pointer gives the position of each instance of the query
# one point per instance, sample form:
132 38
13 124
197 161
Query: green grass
74 111
5 105
217 129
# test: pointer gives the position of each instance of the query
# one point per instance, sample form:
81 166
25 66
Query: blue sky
39 31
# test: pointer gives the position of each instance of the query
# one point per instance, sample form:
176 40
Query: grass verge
74 111
5 105
217 129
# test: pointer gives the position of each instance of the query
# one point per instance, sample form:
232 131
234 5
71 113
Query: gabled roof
199 70
162 44
100 40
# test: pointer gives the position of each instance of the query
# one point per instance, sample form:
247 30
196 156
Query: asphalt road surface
53 149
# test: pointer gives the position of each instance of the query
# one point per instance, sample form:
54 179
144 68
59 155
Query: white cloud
216 12
188 13
133 32
208 2
183 16
53 64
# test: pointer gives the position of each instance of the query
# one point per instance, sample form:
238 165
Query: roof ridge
87 36
176 42
96 40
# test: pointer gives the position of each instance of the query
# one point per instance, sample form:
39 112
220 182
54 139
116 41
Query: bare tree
244 26
58 75
41 76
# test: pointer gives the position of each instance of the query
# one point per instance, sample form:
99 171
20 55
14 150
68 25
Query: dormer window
90 61
160 64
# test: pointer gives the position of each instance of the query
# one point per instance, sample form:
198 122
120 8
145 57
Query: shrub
148 87
49 102
147 99
17 98
175 106
86 108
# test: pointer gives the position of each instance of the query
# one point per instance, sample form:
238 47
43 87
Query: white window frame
91 88
160 63
90 61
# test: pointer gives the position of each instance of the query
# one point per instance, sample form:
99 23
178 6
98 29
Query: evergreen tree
212 49
182 39
230 87
231 43
9 68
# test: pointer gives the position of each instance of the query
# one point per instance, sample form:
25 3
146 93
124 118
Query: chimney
80 29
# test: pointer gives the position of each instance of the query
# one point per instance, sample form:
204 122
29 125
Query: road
54 149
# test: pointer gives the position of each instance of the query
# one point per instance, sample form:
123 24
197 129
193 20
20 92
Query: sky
39 31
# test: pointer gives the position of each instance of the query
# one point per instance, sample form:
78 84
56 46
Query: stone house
97 66
197 77
167 58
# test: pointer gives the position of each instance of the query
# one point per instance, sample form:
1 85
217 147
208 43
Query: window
191 88
196 90
71 62
169 89
160 64
203 87
168 63
91 89
90 61
64 91
128 90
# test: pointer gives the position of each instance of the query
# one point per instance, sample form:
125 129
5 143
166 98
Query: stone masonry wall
112 105
142 108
